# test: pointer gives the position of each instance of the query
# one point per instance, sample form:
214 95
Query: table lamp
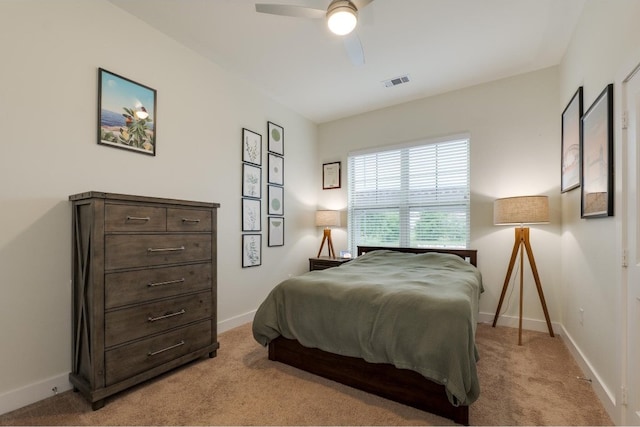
326 219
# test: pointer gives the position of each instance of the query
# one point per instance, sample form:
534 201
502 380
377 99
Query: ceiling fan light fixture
342 17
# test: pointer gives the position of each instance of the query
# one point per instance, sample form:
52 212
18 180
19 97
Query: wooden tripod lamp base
520 245
327 238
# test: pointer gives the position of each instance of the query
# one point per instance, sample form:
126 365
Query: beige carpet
534 384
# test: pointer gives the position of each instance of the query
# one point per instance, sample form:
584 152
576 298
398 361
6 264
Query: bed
396 322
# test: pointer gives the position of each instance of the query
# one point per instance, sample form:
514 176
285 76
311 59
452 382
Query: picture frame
275 138
251 215
276 169
251 147
275 231
597 157
251 250
251 181
275 200
571 143
126 113
331 175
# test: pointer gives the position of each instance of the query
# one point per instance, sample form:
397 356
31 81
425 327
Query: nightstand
326 262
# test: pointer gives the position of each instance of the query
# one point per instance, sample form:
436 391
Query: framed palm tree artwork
126 113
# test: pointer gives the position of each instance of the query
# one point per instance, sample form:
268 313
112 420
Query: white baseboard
512 322
16 399
234 322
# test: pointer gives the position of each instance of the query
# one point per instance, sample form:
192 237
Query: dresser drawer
126 361
134 218
146 319
144 285
130 250
188 220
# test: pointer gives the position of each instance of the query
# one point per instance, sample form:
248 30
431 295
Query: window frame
404 204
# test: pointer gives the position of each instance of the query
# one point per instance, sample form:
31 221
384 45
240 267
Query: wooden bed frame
400 385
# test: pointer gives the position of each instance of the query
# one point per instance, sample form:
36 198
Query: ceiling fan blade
354 48
290 10
359 4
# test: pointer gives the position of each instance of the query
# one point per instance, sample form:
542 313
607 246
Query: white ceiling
442 45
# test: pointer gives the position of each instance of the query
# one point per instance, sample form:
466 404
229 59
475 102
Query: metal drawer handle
190 220
166 316
138 218
168 282
181 248
153 353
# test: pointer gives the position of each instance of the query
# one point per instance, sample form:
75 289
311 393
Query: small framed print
276 231
251 181
251 219
251 250
276 138
571 143
251 147
276 169
275 197
330 175
597 157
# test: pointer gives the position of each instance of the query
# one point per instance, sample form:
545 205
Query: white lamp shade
342 19
326 218
521 210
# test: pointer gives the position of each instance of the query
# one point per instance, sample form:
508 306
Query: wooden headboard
470 255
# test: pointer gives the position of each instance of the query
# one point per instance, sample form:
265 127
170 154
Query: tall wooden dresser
144 289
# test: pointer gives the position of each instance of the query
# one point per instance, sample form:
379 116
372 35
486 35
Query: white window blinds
415 195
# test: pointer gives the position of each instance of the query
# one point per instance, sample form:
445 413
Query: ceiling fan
341 16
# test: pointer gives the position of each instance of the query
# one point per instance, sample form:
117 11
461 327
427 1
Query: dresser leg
97 404
212 354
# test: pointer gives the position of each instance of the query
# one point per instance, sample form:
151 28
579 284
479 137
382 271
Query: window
413 195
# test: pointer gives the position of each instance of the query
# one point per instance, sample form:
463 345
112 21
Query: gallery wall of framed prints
252 192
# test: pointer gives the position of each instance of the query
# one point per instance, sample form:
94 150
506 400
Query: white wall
515 128
604 48
48 115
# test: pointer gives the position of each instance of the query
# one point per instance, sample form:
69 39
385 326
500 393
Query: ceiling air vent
396 81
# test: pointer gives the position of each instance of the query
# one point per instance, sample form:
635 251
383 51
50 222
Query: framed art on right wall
597 157
571 142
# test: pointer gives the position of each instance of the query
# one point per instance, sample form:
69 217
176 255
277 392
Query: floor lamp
327 219
522 210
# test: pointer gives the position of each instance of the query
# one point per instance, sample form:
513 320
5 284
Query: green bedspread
415 311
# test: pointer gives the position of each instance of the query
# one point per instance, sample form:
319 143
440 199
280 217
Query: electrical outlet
55 390
581 316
